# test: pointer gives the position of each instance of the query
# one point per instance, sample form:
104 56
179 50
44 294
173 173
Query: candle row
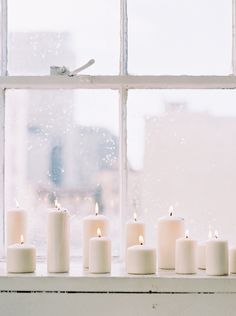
175 249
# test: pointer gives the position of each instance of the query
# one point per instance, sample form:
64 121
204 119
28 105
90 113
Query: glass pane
180 37
62 144
45 33
182 153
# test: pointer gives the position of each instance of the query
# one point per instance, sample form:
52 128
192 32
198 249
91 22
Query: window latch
64 71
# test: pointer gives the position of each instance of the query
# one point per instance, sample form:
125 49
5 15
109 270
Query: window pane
180 37
182 153
45 33
62 144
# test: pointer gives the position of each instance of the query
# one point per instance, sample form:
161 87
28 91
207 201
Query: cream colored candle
21 258
232 260
16 226
169 229
186 255
134 228
217 256
58 247
141 259
99 254
201 255
90 225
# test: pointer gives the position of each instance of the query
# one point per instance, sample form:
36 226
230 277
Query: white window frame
122 83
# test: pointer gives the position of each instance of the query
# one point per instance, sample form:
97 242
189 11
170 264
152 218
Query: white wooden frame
122 83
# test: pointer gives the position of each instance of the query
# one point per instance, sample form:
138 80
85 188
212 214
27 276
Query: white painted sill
79 281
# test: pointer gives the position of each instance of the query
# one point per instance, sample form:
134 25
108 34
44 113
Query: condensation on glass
58 148
180 37
182 153
45 33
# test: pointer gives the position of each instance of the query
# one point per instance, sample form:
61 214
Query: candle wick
171 213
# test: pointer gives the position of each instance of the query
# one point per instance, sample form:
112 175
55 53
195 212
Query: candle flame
210 234
141 240
187 234
96 209
171 209
135 216
99 233
21 239
17 203
216 234
57 204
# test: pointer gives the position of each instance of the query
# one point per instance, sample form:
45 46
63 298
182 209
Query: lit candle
90 225
58 249
134 228
99 254
21 258
186 255
169 229
16 225
141 259
217 256
232 260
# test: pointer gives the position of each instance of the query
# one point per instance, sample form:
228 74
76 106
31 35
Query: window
149 125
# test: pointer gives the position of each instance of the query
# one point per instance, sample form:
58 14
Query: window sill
79 281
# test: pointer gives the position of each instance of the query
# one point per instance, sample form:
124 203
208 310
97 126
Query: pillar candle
217 256
232 260
134 229
99 254
16 226
21 258
90 225
58 250
186 255
201 255
141 259
169 228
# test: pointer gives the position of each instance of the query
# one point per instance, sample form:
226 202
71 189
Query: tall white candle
186 255
134 229
58 249
16 226
201 255
141 259
90 225
169 229
99 254
232 260
21 258
217 256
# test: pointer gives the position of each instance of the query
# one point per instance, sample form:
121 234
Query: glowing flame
57 204
96 209
99 233
135 217
21 239
187 234
141 240
216 234
17 203
171 209
210 234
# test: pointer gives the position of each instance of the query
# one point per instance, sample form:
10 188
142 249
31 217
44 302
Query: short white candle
186 255
201 255
217 256
169 229
90 225
141 259
21 258
99 254
16 226
134 229
232 260
58 247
